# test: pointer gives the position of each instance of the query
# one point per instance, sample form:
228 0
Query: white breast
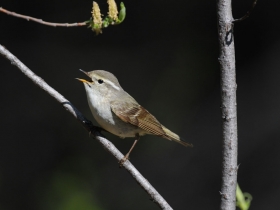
103 114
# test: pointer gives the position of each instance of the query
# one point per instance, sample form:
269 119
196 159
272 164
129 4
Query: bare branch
228 104
40 20
155 196
247 14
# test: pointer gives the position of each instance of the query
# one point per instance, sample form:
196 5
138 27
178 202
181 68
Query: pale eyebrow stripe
112 84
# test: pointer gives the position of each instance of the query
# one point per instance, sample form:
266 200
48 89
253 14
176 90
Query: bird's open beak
84 72
83 80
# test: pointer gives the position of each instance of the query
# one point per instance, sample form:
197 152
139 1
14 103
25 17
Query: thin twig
155 196
40 20
228 104
247 14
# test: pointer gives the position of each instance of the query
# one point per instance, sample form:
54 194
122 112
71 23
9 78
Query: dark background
165 55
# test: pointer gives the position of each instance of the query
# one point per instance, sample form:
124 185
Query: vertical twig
228 104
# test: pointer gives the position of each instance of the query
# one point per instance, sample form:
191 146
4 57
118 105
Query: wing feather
136 115
133 113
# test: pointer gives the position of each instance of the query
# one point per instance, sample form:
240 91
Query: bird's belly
120 130
112 123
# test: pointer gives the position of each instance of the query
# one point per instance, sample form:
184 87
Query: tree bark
228 104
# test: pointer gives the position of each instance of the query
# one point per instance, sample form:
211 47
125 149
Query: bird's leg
126 157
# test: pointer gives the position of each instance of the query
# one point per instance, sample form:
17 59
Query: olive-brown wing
136 115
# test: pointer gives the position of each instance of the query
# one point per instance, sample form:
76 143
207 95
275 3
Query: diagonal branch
40 20
95 131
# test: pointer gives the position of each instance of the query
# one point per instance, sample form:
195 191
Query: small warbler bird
119 113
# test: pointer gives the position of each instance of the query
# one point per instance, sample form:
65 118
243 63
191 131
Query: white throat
99 106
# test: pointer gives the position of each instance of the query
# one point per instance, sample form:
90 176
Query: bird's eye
100 81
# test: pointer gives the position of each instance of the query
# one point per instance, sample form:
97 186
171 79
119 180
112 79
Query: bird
119 113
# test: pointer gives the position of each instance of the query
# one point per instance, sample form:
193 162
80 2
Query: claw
122 161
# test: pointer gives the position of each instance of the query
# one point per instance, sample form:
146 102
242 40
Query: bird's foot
122 161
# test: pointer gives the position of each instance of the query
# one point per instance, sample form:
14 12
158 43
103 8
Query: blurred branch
96 23
40 20
228 104
247 14
94 131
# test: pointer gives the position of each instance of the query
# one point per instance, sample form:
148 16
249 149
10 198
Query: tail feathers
174 137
